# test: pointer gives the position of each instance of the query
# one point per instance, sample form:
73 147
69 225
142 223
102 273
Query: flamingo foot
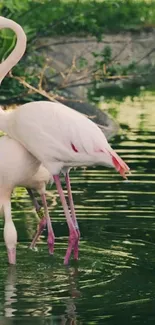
50 242
11 255
72 244
40 229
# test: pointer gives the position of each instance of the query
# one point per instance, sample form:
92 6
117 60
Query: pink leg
73 214
40 213
40 228
73 237
51 237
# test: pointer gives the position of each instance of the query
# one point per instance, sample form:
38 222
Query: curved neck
7 211
19 49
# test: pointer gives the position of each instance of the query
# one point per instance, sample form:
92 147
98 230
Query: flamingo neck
19 49
10 233
6 204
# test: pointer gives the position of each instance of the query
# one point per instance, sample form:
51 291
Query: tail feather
119 164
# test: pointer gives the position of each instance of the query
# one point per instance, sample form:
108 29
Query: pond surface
114 280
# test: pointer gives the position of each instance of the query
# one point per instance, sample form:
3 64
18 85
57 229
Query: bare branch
146 55
33 89
69 73
41 91
41 77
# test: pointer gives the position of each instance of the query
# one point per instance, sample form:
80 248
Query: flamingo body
60 137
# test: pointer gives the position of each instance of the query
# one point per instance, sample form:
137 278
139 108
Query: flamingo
58 136
19 168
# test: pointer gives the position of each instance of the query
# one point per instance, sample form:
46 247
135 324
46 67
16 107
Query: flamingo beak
11 255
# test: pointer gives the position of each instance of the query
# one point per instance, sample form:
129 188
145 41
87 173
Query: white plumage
59 136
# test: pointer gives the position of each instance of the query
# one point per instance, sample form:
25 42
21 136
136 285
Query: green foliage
72 17
53 17
114 91
82 63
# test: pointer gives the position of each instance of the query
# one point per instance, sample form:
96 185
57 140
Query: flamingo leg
73 236
40 228
51 237
33 199
73 214
40 213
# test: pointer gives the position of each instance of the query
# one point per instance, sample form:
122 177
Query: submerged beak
12 255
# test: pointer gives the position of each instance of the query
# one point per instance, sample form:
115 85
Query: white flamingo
19 168
57 136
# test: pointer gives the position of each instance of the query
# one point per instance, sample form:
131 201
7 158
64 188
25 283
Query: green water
114 280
